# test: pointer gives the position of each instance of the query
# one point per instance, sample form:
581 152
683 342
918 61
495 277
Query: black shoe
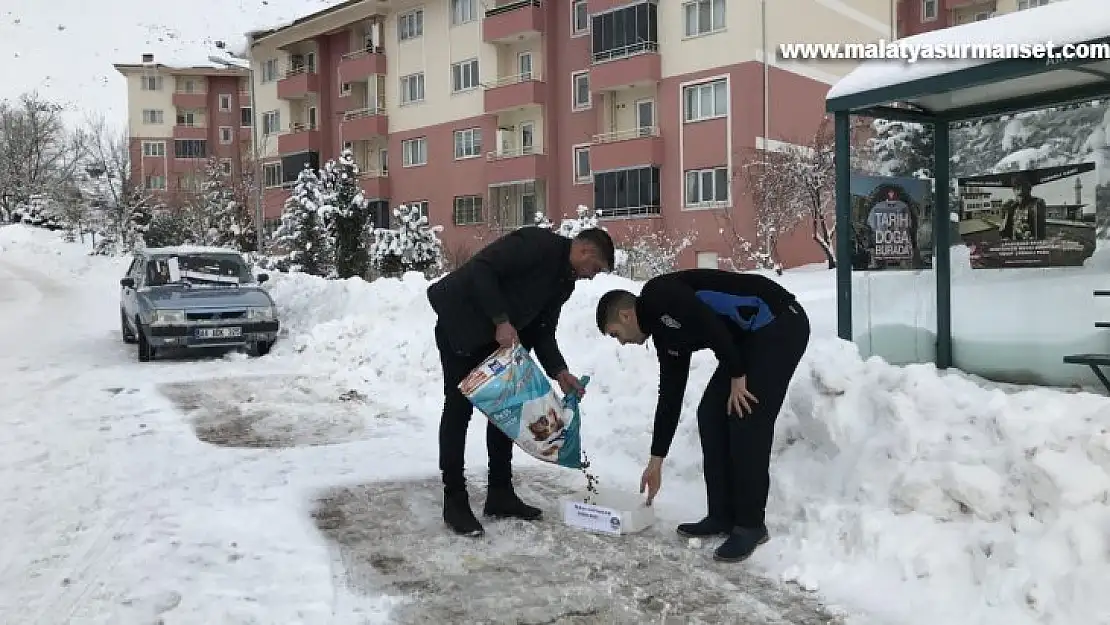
502 503
703 528
458 516
741 544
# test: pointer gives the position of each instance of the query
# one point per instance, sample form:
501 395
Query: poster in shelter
1044 217
891 222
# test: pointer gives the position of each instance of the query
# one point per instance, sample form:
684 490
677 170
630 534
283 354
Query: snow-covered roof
189 249
1059 23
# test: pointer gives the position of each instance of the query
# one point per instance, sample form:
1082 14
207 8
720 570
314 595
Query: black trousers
737 452
455 419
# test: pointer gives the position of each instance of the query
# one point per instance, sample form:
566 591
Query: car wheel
261 348
146 352
125 330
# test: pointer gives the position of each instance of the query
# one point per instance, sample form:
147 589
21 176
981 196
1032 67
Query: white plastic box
609 512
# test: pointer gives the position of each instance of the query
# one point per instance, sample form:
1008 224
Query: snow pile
911 496
51 255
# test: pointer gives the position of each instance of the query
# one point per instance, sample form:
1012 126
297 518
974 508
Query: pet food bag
513 392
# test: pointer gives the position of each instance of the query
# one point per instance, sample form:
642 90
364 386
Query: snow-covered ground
900 495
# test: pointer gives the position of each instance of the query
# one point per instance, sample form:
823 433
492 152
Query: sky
64 49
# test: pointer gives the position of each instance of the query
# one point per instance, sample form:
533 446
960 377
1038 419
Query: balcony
299 138
190 99
298 83
513 21
244 133
362 64
514 92
375 184
519 165
626 148
190 132
364 124
630 66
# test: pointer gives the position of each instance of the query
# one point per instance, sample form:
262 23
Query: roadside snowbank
914 496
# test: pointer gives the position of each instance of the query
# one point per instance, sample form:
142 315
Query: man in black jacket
518 283
758 331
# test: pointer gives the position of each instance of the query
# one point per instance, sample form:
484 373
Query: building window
468 210
929 9
421 205
579 17
414 152
153 116
580 98
345 89
190 148
227 135
468 143
225 167
271 175
270 69
246 117
707 186
464 75
225 102
186 118
627 192
412 88
151 83
707 260
705 101
154 148
410 25
463 11
582 171
624 32
271 122
1022 5
704 16
155 183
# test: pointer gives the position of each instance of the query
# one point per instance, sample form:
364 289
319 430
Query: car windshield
215 270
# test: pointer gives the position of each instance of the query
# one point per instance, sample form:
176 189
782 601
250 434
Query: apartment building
179 117
919 16
484 113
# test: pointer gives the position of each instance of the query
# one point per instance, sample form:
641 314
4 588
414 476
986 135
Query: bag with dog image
513 392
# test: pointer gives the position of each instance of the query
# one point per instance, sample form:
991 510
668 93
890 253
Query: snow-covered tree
346 214
139 222
168 227
584 219
901 149
412 246
761 175
301 236
647 252
227 220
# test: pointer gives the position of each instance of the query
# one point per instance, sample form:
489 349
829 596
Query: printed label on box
592 518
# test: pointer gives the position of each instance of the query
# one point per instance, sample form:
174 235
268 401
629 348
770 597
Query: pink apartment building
484 113
179 117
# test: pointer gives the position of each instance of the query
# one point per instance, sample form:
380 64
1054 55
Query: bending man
758 332
518 283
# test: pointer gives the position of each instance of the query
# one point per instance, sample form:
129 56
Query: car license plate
219 333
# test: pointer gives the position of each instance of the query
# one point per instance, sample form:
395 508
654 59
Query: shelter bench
1094 361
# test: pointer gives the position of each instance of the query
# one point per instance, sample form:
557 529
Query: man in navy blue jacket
759 332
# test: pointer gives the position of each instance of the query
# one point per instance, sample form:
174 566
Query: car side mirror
127 283
262 277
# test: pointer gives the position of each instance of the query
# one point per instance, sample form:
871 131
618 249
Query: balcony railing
640 47
625 135
512 153
511 6
298 70
363 52
373 172
301 127
200 91
512 80
363 112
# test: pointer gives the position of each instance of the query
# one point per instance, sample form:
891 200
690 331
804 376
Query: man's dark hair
603 242
611 304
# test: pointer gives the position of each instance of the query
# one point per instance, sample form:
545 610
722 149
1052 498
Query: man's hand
652 478
506 334
569 383
741 400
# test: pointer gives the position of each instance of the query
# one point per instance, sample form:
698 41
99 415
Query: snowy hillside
60 47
